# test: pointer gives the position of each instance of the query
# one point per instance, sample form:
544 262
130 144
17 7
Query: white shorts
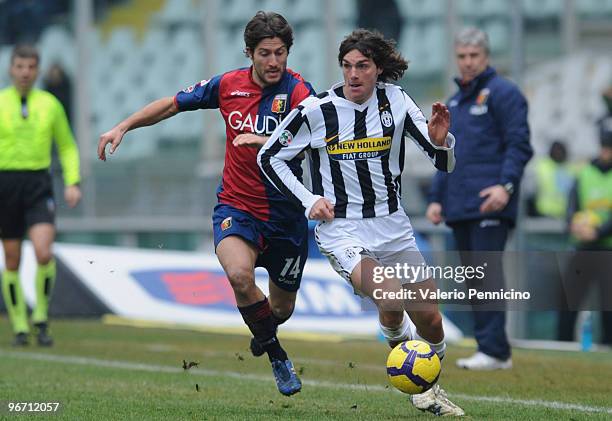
387 239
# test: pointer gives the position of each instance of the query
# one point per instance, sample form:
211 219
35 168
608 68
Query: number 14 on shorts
291 268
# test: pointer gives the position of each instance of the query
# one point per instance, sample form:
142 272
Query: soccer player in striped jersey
253 224
354 134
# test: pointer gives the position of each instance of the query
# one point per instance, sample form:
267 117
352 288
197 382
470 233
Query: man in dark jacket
479 200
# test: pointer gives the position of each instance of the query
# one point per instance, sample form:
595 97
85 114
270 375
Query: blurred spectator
22 21
607 97
58 83
382 15
590 224
101 7
554 179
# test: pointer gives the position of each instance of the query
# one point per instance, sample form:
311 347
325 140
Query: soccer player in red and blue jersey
253 224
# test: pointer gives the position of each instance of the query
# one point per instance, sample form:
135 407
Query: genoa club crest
227 223
279 104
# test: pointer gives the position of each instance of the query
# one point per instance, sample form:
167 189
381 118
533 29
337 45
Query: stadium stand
591 8
421 9
423 44
178 13
539 9
483 8
565 101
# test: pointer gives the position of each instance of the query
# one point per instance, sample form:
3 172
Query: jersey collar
471 86
336 90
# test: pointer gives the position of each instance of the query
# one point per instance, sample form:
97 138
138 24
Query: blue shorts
283 246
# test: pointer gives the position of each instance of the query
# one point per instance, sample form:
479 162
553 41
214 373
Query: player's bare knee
390 306
283 310
12 260
242 280
391 318
44 257
12 264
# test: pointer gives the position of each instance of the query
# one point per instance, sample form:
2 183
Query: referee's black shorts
26 198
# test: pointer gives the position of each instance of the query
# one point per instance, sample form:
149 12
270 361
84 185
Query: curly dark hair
267 25
373 44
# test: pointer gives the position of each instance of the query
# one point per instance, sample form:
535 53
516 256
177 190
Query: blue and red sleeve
202 95
301 91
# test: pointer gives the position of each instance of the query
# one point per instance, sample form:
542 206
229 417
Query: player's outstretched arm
153 113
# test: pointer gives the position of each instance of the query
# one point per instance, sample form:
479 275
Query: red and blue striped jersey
248 108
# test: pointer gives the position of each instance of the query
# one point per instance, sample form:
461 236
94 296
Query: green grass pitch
98 372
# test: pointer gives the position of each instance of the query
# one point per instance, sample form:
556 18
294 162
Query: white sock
407 331
440 347
404 332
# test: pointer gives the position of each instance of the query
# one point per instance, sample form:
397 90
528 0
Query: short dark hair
267 25
25 51
373 45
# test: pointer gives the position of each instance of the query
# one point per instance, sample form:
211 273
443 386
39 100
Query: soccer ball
413 367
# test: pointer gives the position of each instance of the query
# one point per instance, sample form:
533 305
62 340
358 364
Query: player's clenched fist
322 210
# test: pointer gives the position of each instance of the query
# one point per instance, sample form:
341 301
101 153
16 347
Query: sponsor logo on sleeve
285 138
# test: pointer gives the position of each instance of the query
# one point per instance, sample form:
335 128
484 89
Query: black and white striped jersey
356 150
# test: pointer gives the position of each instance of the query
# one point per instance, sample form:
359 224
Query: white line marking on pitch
127 365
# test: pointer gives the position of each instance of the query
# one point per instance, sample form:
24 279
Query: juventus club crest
279 104
386 118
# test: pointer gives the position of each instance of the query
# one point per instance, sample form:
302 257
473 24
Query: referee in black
30 119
